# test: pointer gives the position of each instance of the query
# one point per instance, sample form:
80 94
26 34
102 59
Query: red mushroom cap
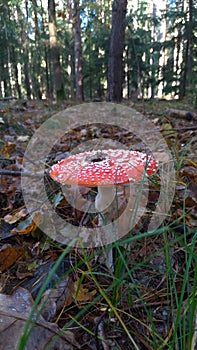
103 168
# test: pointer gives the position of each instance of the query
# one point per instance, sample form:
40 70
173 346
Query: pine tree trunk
25 52
16 75
57 75
45 54
115 63
190 46
188 55
37 79
27 76
78 53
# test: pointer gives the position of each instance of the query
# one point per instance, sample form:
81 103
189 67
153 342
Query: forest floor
56 297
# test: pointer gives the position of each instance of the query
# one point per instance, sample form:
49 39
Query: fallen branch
194 127
19 173
176 113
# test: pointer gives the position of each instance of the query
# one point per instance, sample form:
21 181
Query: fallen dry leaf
11 219
56 298
80 293
29 225
7 149
9 255
190 172
4 111
14 313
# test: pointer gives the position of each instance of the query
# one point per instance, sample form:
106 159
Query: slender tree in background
71 59
115 64
78 52
25 48
187 79
57 75
152 51
37 56
44 43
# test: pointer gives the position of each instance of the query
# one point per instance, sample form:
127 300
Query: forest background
64 50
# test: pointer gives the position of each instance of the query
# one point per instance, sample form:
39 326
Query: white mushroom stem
103 200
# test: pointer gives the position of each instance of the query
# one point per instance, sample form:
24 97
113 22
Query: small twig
19 173
185 128
170 132
100 333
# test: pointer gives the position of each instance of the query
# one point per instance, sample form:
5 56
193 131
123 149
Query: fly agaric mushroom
105 170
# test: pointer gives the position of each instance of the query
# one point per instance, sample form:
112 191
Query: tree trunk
27 76
16 75
78 53
190 45
45 54
152 53
25 51
115 64
188 54
177 113
37 55
57 75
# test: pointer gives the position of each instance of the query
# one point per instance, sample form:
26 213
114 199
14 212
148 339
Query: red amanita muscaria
105 170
